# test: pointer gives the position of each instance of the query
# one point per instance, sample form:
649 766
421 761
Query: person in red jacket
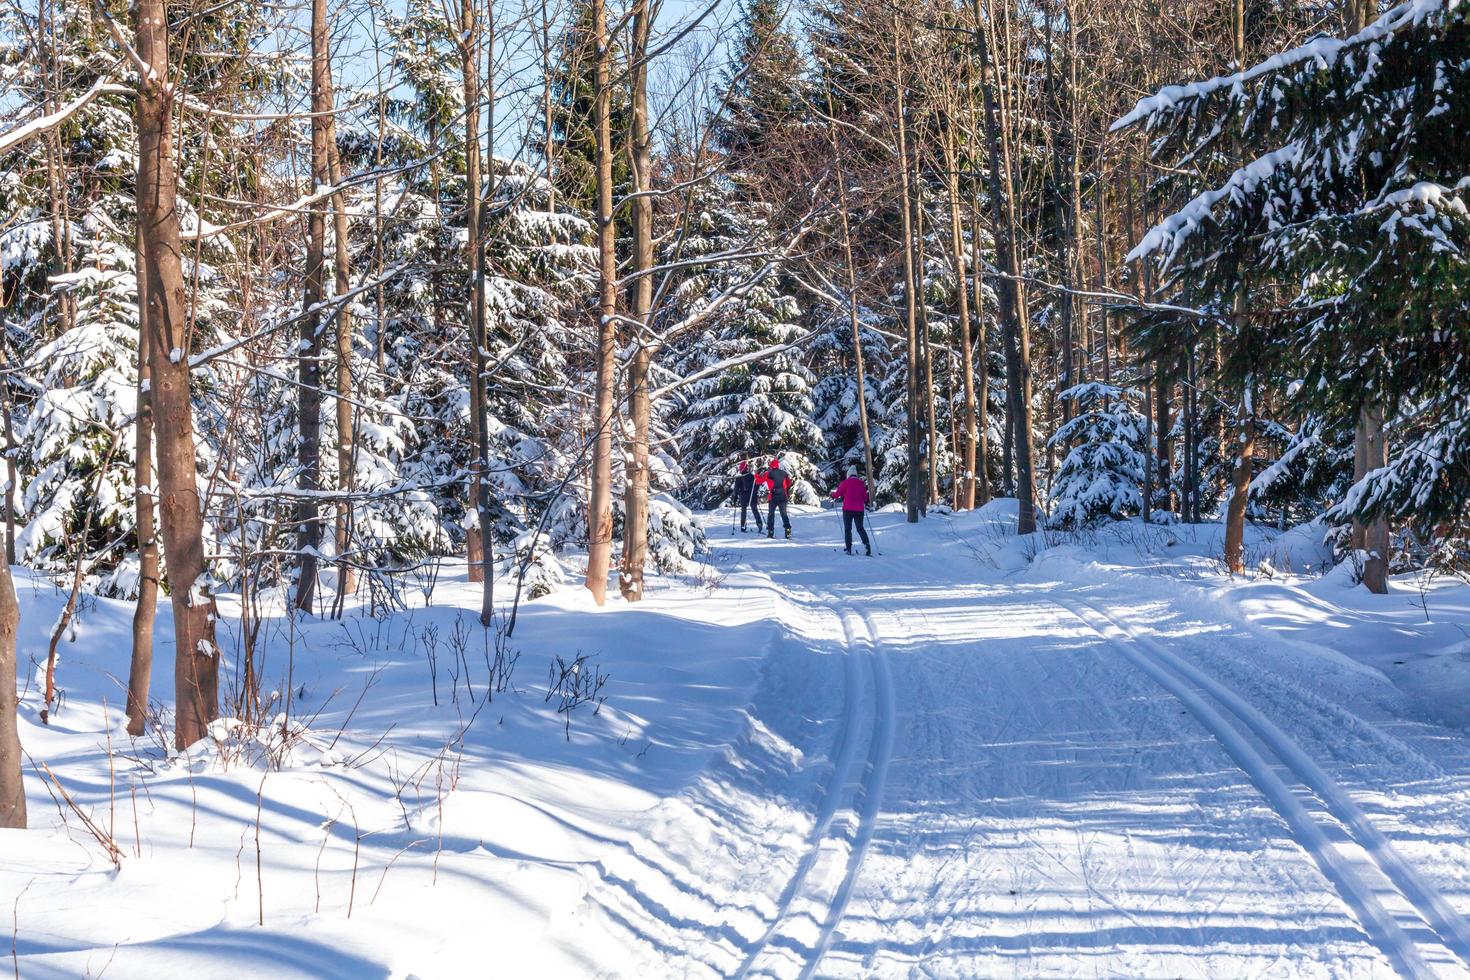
778 486
853 492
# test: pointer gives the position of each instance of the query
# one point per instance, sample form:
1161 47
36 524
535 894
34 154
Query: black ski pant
851 519
771 509
753 506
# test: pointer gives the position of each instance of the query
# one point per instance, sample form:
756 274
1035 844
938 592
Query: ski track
846 817
1049 812
1248 741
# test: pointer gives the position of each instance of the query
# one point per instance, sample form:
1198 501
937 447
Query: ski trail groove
867 711
880 752
1195 689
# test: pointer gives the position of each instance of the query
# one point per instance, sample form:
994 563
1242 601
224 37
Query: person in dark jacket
853 492
778 488
745 496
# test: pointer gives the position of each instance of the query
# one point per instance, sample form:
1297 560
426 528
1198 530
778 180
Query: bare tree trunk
914 488
140 669
853 319
309 357
599 509
1100 212
1370 447
1012 296
1246 435
926 347
548 130
346 424
8 407
1148 453
635 488
479 337
982 339
966 481
12 787
1240 488
196 668
1375 535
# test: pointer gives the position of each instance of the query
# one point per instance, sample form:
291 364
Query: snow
974 754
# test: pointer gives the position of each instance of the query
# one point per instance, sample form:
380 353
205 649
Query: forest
299 301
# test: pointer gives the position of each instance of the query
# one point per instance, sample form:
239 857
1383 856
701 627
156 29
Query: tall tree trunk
1370 447
982 338
1240 486
1240 477
309 358
1099 200
8 408
1191 437
1148 453
966 482
346 424
548 128
483 556
914 488
599 507
12 787
926 347
1066 226
140 668
1375 535
636 476
853 319
1012 295
196 667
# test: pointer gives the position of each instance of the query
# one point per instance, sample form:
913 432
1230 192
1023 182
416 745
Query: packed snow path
986 768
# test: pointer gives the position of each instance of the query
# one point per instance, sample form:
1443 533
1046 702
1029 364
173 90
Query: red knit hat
744 466
775 464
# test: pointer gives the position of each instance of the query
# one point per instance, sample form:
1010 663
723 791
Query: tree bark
1375 535
926 348
346 424
1240 491
967 362
1370 447
853 318
196 667
8 407
140 668
636 477
484 570
599 508
309 355
914 487
982 339
1012 295
12 786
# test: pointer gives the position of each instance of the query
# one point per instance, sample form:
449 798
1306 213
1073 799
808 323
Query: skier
745 497
778 486
853 492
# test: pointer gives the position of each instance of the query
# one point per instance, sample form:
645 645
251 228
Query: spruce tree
1348 184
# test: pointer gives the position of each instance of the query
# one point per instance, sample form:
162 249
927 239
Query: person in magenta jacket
853 492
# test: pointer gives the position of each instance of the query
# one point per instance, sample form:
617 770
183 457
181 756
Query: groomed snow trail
1008 774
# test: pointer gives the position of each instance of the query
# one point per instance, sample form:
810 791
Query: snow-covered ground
972 755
